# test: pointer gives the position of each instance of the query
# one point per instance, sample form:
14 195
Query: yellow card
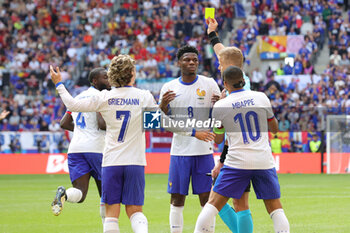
209 13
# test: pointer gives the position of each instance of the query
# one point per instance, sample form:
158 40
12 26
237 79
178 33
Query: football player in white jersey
246 117
123 178
191 95
85 149
239 219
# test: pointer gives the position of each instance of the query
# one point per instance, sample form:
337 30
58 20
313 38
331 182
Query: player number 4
80 121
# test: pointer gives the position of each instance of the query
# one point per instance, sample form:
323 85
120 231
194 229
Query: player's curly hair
186 49
120 70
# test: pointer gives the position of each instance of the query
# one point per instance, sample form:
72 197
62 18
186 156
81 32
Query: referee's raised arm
213 36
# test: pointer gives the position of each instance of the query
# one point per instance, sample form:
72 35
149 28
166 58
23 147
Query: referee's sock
229 217
245 221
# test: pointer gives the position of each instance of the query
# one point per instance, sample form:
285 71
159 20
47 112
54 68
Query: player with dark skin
100 82
188 64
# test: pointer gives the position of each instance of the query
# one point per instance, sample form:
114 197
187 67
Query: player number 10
248 115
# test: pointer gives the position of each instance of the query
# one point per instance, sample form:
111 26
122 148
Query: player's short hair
232 56
94 73
233 75
120 70
186 49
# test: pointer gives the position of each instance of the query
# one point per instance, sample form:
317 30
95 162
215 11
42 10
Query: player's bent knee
132 209
83 198
203 198
177 199
272 204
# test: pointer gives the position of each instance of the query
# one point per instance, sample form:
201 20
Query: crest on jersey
200 93
151 119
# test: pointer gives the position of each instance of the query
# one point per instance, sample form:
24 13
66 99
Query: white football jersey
192 100
122 110
245 115
87 137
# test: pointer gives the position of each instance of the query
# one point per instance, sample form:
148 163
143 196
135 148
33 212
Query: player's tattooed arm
67 122
166 99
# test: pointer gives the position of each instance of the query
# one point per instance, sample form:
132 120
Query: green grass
313 203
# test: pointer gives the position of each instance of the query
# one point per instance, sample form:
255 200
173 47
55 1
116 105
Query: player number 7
125 124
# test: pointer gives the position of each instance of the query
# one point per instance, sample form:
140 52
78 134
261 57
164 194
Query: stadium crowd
152 31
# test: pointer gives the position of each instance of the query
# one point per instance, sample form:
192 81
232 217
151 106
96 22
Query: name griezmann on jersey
122 101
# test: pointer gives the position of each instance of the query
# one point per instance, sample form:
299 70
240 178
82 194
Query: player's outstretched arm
4 114
273 125
67 122
214 39
83 105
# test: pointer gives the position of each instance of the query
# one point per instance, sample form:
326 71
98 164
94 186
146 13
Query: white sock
139 223
280 221
111 225
176 219
205 219
212 224
102 212
74 195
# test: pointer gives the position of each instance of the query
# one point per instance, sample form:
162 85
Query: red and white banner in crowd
158 163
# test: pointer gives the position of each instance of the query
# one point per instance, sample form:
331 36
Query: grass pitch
313 203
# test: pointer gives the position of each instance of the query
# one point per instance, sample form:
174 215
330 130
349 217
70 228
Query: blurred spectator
63 144
296 146
335 57
276 145
14 121
15 145
54 126
257 79
315 144
287 69
43 144
283 124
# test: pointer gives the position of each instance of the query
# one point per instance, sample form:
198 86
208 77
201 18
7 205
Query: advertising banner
157 163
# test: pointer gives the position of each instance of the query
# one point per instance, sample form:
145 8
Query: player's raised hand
206 136
212 25
4 114
166 99
55 75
